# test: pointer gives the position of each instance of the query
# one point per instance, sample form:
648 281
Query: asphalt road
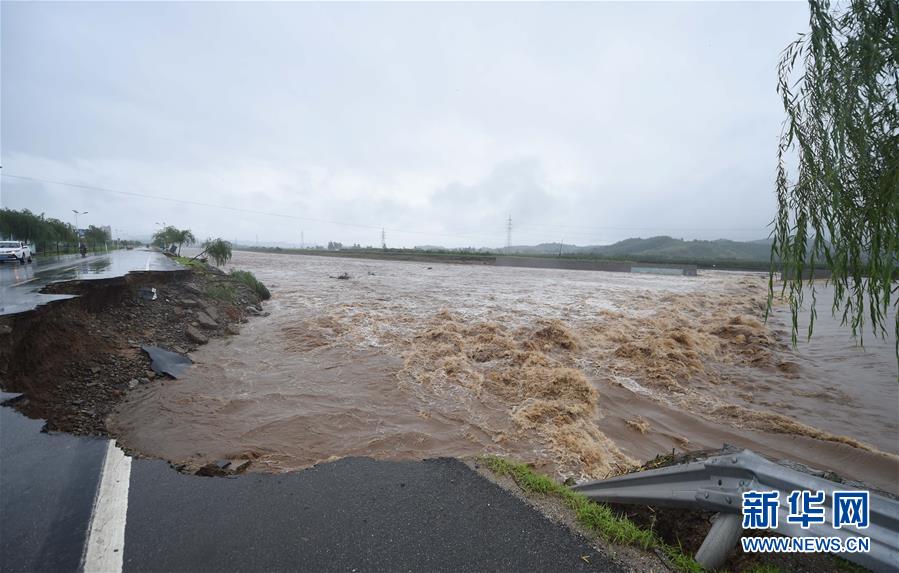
20 284
47 489
355 514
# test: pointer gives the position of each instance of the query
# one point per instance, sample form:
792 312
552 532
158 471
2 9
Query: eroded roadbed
23 287
76 358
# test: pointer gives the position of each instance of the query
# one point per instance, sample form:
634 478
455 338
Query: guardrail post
722 538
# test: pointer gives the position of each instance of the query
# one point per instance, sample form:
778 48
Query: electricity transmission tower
509 233
383 239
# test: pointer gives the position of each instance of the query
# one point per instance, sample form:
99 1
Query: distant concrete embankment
592 265
501 261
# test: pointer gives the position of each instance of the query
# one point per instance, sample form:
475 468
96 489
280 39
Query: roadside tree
95 236
838 163
218 250
184 237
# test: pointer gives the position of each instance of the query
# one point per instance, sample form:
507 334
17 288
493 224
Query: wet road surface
20 284
354 514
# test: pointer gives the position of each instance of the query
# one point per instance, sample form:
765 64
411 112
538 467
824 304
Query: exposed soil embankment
75 359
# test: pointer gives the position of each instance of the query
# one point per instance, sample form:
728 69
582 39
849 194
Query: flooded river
585 373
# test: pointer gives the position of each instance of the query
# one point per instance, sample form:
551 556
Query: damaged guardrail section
718 483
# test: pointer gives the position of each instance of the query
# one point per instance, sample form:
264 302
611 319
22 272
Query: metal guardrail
717 484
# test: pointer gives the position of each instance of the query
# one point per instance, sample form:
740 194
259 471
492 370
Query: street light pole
77 231
76 217
162 227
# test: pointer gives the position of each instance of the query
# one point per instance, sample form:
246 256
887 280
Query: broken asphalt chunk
164 361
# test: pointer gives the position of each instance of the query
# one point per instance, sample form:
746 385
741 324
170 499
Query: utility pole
561 244
383 239
509 233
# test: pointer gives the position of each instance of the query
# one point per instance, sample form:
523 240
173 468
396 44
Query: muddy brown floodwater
582 373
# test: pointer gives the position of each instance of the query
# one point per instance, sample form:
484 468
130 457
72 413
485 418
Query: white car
17 250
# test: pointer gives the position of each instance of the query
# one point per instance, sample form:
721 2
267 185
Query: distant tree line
46 233
96 236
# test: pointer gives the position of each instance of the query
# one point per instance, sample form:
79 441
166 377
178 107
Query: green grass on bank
191 263
222 292
763 568
225 292
249 279
595 517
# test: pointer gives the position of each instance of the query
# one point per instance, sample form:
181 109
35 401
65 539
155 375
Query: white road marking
106 534
23 282
53 267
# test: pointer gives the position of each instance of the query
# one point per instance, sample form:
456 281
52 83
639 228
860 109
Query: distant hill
667 247
544 249
721 252
660 248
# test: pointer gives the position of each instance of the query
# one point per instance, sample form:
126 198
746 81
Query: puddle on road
580 372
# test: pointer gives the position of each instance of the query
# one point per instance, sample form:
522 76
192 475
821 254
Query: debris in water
165 361
216 468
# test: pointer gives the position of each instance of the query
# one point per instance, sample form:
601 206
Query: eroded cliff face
75 359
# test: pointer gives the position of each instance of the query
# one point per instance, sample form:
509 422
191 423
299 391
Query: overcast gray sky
587 122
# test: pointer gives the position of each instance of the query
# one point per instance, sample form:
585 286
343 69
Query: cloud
593 121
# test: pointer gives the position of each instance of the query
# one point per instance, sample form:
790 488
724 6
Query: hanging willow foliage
838 163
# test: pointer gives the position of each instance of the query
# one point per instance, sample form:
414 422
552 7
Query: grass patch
190 263
849 566
763 568
221 292
249 279
596 517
